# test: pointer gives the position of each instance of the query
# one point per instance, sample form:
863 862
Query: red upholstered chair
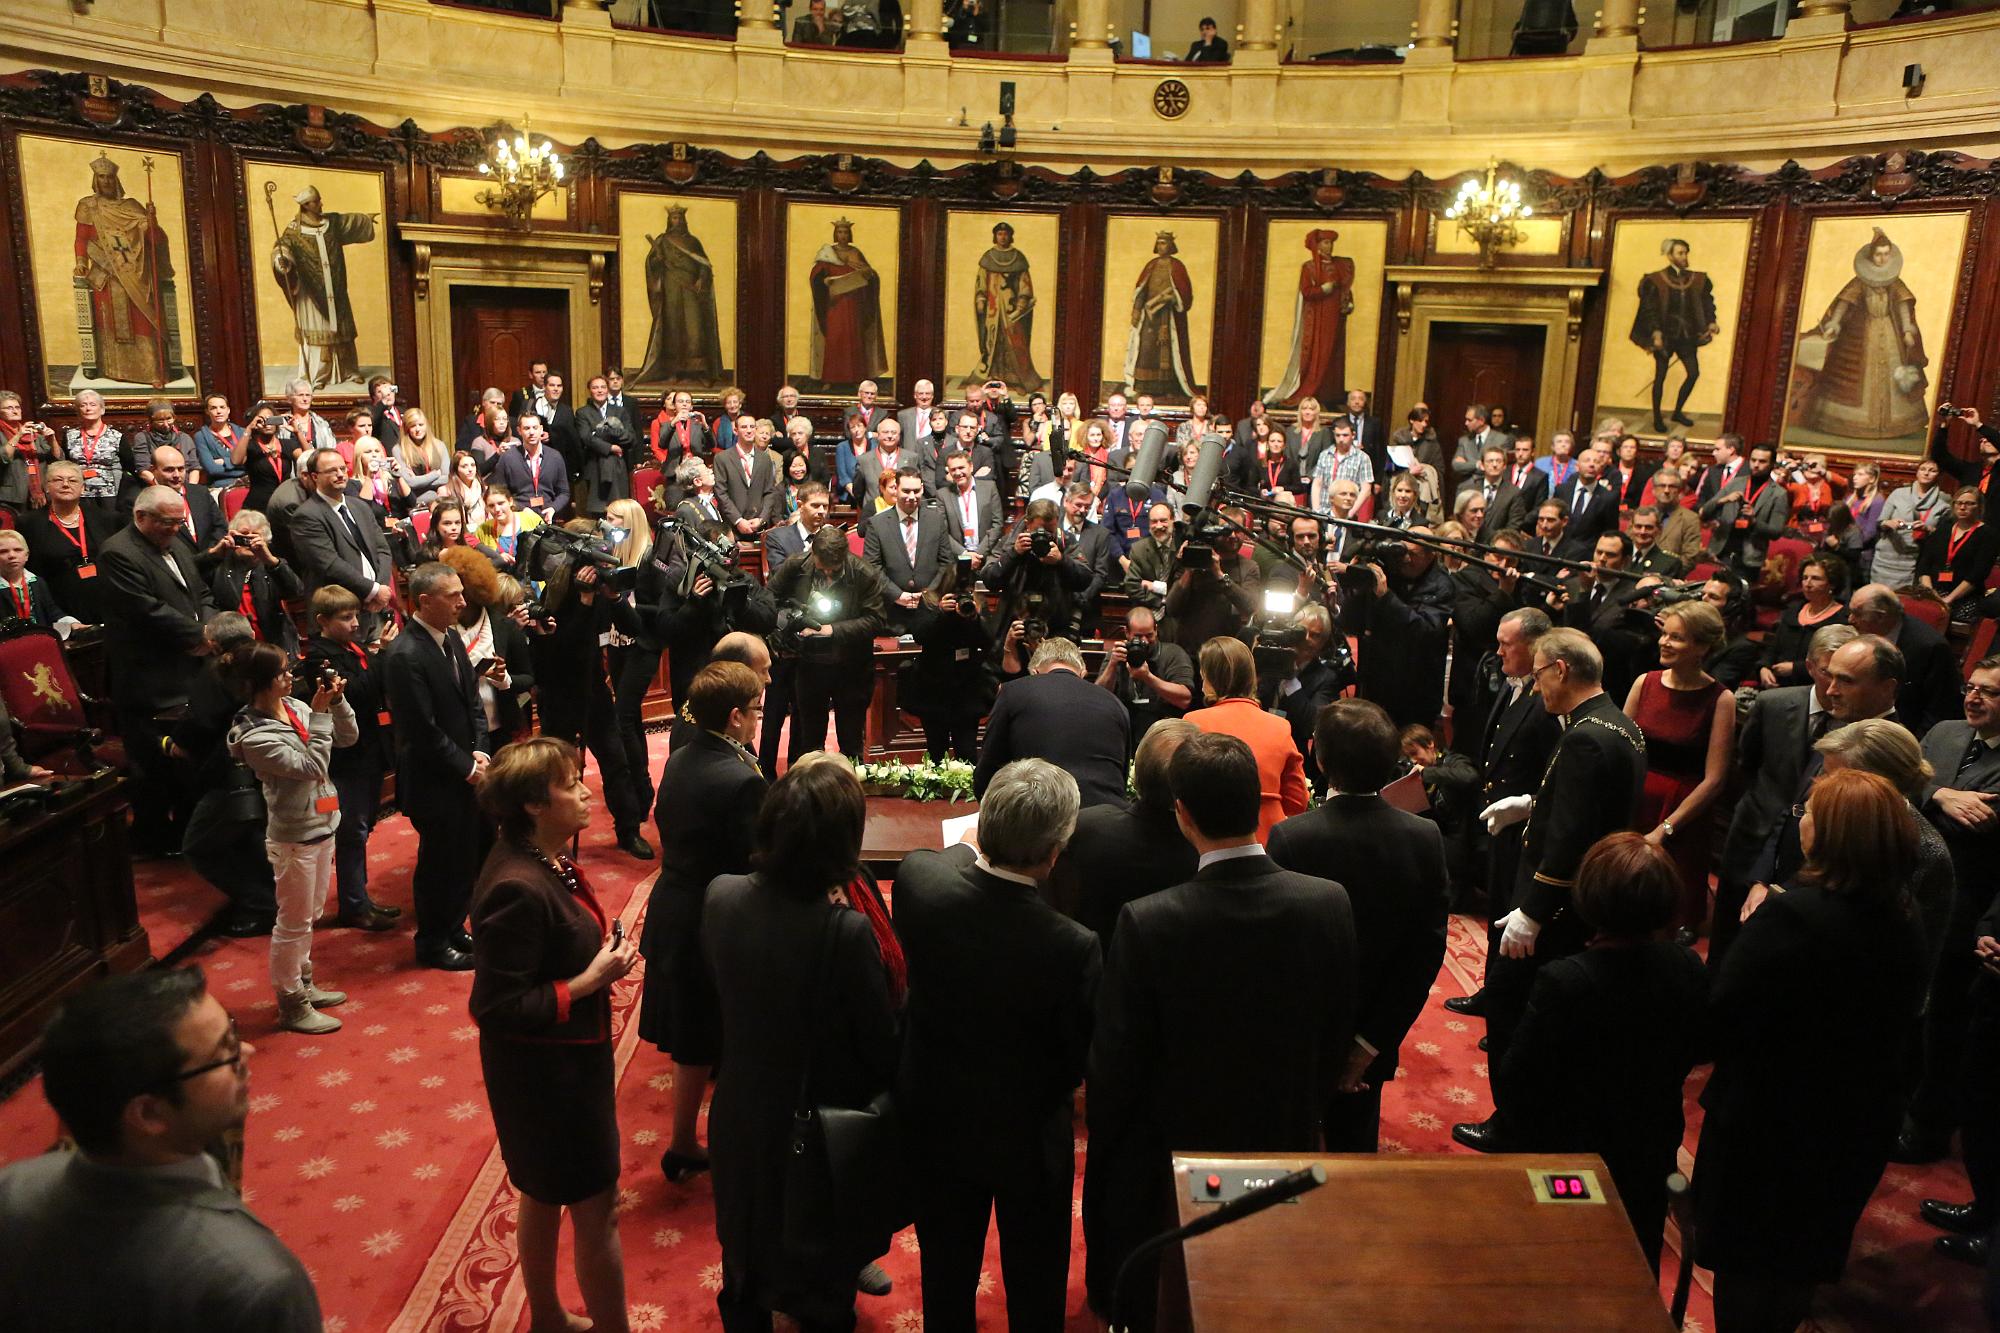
855 539
1705 569
1781 563
644 482
1927 609
420 523
1981 643
6 520
44 700
232 501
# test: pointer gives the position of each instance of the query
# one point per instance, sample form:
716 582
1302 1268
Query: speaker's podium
1393 1241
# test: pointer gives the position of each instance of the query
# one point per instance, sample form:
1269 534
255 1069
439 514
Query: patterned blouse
98 456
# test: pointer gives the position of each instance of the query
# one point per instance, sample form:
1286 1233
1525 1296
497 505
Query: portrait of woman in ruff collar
1870 385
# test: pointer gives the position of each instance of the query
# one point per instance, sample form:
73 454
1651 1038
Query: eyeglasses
234 1058
1537 672
1987 692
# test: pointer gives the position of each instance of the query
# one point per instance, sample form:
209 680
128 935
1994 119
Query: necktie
910 540
1576 501
1822 722
352 530
1973 749
1489 493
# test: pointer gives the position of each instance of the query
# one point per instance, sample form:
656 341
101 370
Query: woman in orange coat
1229 684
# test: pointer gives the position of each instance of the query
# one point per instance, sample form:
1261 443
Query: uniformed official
1591 788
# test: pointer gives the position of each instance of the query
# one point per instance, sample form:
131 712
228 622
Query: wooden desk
1415 1242
67 911
898 826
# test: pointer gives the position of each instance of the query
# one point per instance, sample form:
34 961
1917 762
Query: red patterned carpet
371 1152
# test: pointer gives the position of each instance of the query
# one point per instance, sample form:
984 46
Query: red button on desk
1214 1184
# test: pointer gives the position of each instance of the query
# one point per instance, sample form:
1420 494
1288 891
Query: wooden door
1483 363
497 331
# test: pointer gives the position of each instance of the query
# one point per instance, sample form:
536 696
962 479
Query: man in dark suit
915 420
536 475
620 402
972 507
1513 748
1648 556
532 396
1930 692
1747 513
1003 990
1369 436
1092 544
835 647
1598 601
1246 958
610 445
1321 675
155 600
1054 713
1531 481
1392 865
746 483
910 546
1506 507
1963 801
205 523
564 437
1591 788
441 757
337 538
1591 505
1123 852
1725 466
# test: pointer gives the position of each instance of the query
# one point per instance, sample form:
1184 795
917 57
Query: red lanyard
1951 544
356 649
91 438
1750 496
535 469
80 539
276 454
1559 473
23 599
305 737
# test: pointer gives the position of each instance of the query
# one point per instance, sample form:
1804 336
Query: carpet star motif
381 1243
315 1168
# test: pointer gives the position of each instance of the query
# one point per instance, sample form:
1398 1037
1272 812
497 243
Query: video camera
1358 579
551 555
705 556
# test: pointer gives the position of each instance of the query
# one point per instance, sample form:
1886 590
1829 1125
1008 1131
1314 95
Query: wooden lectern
1412 1242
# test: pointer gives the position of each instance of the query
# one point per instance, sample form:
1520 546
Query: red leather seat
1926 609
232 501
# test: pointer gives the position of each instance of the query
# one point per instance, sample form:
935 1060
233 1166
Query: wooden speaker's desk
1414 1242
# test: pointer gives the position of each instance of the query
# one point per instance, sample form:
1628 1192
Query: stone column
1260 25
755 16
1093 21
1814 9
1435 21
926 20
1818 18
1618 18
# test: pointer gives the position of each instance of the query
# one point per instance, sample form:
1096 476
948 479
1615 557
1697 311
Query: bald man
204 524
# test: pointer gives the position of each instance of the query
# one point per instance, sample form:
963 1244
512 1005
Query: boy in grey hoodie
289 748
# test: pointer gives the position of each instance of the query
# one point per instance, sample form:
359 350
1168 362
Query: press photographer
1396 599
829 612
1153 679
1038 577
706 594
1320 669
951 685
1211 594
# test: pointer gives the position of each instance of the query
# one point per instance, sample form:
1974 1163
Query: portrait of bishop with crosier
309 262
127 322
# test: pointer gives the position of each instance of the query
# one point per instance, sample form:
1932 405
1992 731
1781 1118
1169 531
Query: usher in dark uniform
1591 789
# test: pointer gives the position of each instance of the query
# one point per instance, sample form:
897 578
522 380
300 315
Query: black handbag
847 1181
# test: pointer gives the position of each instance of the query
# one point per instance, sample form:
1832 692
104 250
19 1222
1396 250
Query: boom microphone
1202 482
1146 462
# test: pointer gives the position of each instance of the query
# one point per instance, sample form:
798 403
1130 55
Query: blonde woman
421 460
1069 420
634 655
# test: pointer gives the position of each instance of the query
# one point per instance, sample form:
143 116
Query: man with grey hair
1054 713
1002 993
155 601
1930 689
1590 789
1123 852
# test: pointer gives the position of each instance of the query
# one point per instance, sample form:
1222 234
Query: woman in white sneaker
289 748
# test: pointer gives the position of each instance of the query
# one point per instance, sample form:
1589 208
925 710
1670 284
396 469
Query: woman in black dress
1610 1034
544 962
1955 560
1822 601
262 455
706 809
805 1001
1810 1023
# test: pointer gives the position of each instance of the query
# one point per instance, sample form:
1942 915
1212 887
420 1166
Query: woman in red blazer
1229 684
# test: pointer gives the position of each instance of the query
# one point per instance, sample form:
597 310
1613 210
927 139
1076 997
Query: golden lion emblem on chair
43 681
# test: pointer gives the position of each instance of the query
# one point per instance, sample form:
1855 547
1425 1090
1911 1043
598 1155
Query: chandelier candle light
1490 213
523 171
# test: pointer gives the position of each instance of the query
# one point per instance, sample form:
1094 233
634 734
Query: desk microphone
1250 1201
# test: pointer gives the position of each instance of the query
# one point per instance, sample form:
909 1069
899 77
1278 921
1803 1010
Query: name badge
326 805
382 718
88 571
962 655
1945 576
1742 523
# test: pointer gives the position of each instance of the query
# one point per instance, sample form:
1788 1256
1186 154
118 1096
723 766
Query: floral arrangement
949 780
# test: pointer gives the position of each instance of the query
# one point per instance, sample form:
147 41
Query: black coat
1810 1024
1003 990
56 560
1598 516
1245 961
764 946
1392 865
374 750
1063 718
1772 748
1598 1062
271 587
152 621
1403 635
1591 789
439 723
1929 692
1117 854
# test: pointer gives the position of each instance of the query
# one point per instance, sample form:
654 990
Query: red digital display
1568 1187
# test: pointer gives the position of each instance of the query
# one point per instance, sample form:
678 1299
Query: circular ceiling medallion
1171 99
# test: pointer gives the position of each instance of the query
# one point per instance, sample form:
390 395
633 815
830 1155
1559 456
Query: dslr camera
1040 542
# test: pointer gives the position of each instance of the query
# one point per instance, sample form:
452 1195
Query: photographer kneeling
830 612
952 683
1153 679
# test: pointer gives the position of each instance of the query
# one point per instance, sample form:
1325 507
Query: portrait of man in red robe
1318 365
847 344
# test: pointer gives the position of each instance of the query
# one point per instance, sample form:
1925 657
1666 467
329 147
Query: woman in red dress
1689 720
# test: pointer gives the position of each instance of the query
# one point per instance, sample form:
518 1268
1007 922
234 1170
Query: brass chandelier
1490 213
522 171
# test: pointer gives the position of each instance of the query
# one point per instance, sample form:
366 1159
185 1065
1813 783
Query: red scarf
865 898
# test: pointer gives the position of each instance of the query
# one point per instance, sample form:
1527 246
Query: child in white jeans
289 750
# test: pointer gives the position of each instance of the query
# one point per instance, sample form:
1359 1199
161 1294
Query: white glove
1518 932
1507 812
